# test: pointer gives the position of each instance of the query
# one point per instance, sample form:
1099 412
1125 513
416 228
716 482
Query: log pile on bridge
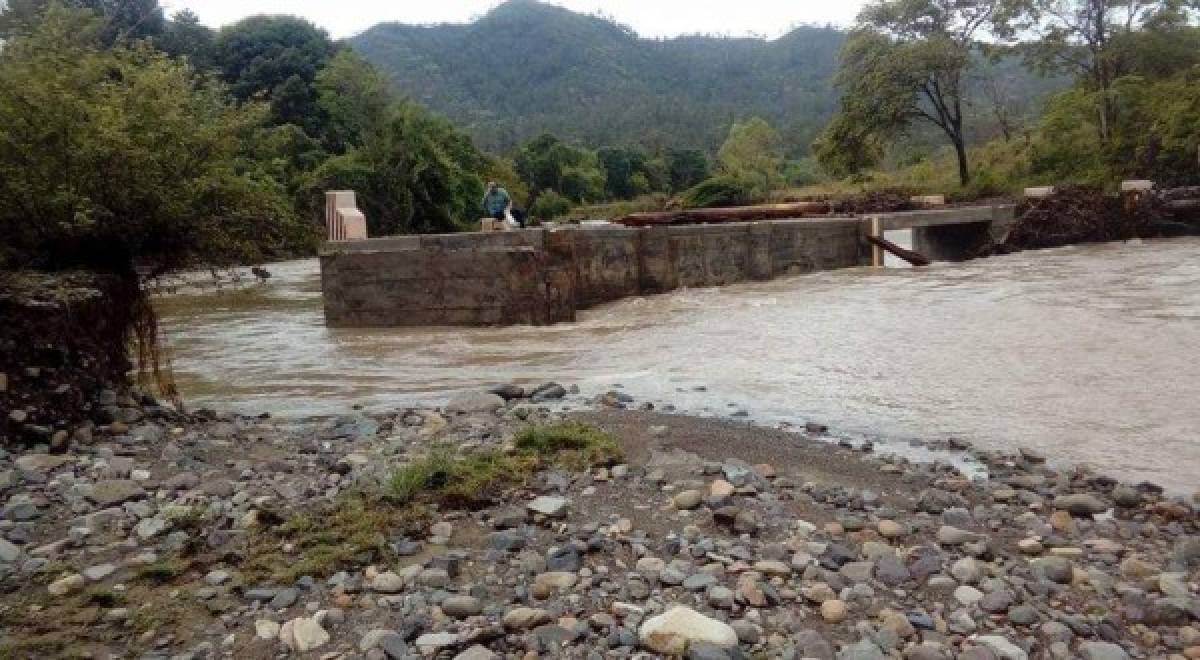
729 214
888 200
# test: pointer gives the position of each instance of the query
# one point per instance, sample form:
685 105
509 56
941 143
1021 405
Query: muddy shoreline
214 535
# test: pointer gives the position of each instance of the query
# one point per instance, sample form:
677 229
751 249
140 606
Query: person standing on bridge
497 203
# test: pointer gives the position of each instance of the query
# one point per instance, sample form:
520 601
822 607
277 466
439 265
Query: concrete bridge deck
543 276
942 234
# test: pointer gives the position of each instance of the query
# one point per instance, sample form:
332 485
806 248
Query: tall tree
355 99
186 37
753 151
686 168
418 175
906 62
124 20
1086 37
277 58
547 163
111 156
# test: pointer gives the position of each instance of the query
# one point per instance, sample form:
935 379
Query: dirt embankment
59 349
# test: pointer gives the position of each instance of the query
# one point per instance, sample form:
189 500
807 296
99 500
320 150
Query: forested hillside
527 68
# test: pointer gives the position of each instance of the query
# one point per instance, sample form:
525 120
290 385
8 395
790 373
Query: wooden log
914 258
730 214
1185 193
1183 205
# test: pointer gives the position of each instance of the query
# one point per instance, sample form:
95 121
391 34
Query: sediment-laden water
1090 354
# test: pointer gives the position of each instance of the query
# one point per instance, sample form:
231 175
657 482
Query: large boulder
473 403
114 492
303 634
672 632
1080 504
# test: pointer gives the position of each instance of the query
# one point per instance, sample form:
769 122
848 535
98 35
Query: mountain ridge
527 67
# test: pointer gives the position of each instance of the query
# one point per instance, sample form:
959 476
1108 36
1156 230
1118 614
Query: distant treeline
136 141
528 68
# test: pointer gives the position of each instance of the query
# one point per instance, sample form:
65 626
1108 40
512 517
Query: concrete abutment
541 276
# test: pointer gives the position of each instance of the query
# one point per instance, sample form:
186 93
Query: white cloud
656 18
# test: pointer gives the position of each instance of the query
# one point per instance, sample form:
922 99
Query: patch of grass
571 444
351 531
162 571
619 208
460 481
477 478
51 645
104 598
187 518
159 615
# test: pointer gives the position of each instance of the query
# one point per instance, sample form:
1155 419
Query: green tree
186 37
549 206
277 58
547 163
686 168
1096 41
354 98
754 152
124 20
906 62
122 156
419 174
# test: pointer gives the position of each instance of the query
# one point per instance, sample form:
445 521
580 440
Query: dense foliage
164 143
175 143
1134 65
120 156
527 68
417 173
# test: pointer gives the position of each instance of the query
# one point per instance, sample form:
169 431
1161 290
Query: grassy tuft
570 444
162 571
460 481
104 598
350 531
475 479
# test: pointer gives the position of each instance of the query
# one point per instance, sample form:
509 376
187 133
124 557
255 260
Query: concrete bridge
544 276
943 234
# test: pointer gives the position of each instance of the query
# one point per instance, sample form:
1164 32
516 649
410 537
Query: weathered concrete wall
956 242
538 277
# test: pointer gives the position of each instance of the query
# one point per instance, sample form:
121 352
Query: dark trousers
517 215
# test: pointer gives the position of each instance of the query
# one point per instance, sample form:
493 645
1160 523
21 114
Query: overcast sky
651 18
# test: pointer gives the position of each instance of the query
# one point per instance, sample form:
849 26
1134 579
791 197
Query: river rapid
1089 354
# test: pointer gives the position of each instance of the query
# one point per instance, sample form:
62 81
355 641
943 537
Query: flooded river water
1090 354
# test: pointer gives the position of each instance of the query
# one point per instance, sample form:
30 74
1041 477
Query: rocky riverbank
501 527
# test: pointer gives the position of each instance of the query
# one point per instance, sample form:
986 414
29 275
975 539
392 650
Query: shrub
720 191
124 155
549 206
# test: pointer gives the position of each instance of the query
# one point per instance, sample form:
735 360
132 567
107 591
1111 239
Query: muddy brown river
1089 354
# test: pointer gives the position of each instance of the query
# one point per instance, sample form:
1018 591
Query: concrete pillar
656 264
353 224
759 263
343 220
1133 191
875 229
